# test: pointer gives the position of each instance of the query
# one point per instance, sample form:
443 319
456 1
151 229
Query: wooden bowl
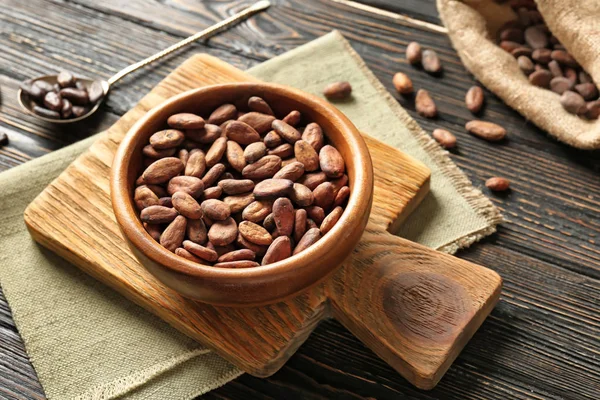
249 286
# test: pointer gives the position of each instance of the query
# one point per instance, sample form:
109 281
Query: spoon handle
256 7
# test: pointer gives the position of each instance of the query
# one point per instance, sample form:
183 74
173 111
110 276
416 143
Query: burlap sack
472 27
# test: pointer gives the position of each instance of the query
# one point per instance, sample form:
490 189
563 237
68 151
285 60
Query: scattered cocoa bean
446 139
338 90
497 184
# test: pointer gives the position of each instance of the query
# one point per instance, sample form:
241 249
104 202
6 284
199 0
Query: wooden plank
558 227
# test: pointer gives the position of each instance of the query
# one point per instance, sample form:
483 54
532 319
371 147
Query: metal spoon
105 86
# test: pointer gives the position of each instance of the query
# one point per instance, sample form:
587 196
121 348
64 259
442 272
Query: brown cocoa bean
536 37
341 196
283 151
260 122
511 46
213 174
222 114
200 251
292 171
216 210
166 139
286 131
584 77
272 188
280 249
414 53
196 231
184 156
257 211
588 91
324 195
431 62
541 78
555 69
144 197
560 85
311 237
542 56
313 134
53 101
154 230
521 51
186 121
188 184
315 213
497 184
570 74
235 156
196 164
160 171
293 118
241 132
65 79
237 255
264 168
573 102
186 205
254 152
306 155
525 64
158 190
446 139
313 180
238 202
236 186
331 219
255 233
310 224
206 135
331 162
512 34
300 217
257 104
173 236
592 109
283 216
76 96
272 139
474 99
301 195
338 90
158 215
486 130
402 83
222 233
237 264
151 152
213 192
425 105
339 183
181 252
564 58
165 202
216 151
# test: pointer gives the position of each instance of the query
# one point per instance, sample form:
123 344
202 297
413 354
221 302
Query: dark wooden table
541 341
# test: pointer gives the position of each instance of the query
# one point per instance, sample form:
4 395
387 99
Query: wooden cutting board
415 307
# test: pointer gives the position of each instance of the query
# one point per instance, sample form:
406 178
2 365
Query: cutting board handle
408 303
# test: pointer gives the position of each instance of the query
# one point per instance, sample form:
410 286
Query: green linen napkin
88 342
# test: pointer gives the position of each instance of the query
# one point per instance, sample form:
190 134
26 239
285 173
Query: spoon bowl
27 103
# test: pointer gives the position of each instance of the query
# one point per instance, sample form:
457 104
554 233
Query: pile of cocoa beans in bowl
240 188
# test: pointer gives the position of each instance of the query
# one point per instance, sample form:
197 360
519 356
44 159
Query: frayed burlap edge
469 23
124 385
474 197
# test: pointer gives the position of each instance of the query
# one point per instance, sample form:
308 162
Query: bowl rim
359 200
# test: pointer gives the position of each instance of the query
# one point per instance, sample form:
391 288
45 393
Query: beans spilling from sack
545 61
241 188
67 99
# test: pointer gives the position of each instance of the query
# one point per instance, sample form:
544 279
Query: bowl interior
339 131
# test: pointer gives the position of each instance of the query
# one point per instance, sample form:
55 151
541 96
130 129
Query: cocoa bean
402 83
286 131
293 118
264 168
222 233
273 188
280 249
186 121
238 202
311 237
222 114
161 171
486 130
331 219
213 174
254 152
497 184
425 105
331 162
446 139
259 121
301 195
216 151
237 255
255 233
173 236
216 210
200 251
283 215
241 132
573 102
196 231
431 62
235 156
474 99
186 205
338 90
257 104
414 53
158 214
188 184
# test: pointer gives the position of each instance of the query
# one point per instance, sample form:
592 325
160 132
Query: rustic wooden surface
540 342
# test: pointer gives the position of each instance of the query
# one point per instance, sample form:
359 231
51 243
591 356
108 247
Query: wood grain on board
540 341
388 279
